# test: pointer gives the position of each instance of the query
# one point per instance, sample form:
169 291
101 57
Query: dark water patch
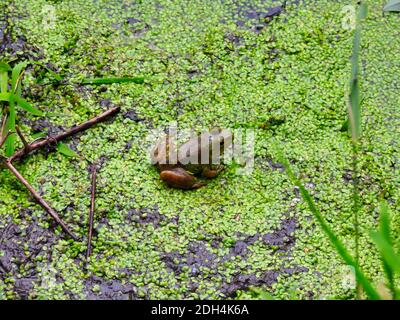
98 288
20 247
260 17
145 216
23 287
173 261
283 239
15 45
198 259
198 255
347 176
295 270
195 258
132 115
245 281
262 161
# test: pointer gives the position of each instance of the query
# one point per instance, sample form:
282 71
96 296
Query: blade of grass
113 80
354 109
55 75
65 150
392 5
387 252
385 239
334 240
4 67
5 97
15 76
10 126
384 222
27 106
354 97
3 81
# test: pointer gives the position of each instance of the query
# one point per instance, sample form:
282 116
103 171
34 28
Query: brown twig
40 144
91 212
3 125
21 136
37 145
4 139
39 199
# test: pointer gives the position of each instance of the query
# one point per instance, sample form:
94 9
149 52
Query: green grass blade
334 240
392 5
5 97
16 72
387 252
65 150
4 67
383 240
354 96
384 222
27 106
55 75
138 80
39 135
3 81
10 126
384 230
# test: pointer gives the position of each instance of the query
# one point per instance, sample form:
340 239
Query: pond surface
206 64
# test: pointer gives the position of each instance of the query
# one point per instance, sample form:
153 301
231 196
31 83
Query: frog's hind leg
180 178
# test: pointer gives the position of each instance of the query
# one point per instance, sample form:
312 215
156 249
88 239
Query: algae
205 63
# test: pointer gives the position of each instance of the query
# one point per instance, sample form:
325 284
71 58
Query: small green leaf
65 150
387 252
384 222
5 97
27 106
4 67
39 135
3 81
55 75
392 5
10 126
334 240
16 72
345 126
113 80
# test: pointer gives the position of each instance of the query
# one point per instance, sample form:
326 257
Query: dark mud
109 290
260 18
199 258
145 216
20 247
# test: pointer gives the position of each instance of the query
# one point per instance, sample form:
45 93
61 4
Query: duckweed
205 63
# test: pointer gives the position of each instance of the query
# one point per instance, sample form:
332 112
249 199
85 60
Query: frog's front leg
180 178
210 172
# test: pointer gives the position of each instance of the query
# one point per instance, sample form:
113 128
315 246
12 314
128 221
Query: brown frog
197 157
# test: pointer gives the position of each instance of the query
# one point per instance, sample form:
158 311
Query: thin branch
36 145
39 199
91 212
3 125
40 144
3 140
21 136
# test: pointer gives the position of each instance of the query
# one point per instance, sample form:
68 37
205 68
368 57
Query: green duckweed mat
206 63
